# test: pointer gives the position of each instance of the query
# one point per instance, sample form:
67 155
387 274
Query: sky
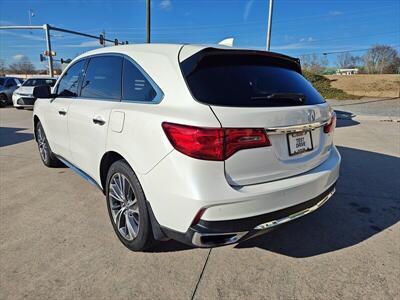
299 26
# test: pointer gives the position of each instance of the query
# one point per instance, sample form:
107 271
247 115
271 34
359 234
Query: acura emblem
311 116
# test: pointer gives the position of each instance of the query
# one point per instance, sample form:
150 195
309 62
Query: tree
381 59
2 67
314 63
23 66
346 60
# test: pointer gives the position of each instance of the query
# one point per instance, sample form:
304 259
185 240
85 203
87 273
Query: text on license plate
299 142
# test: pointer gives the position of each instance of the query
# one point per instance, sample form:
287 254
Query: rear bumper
217 233
179 186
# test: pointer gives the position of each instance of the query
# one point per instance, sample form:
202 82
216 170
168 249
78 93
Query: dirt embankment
368 85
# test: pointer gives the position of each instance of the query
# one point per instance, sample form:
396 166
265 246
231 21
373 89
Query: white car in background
201 144
22 96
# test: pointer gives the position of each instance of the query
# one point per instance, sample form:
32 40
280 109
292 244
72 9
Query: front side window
103 78
136 87
68 86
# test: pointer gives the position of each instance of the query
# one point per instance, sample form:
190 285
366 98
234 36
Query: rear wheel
48 157
3 100
127 207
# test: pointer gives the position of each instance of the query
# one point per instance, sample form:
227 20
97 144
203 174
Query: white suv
205 145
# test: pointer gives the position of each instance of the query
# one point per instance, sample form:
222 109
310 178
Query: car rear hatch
257 89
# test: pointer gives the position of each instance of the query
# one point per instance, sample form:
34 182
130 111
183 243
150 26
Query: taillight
331 125
213 143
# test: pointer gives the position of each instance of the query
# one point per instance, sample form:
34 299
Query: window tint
68 86
11 82
136 87
247 80
39 81
103 78
2 81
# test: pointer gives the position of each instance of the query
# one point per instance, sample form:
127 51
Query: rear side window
247 80
68 86
103 78
135 85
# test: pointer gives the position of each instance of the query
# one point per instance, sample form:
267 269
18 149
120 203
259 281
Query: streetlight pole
271 8
148 16
48 43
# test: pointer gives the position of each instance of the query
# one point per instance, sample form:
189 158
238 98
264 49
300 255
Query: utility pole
271 8
48 42
148 15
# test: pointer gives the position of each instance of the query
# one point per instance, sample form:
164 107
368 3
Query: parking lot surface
57 241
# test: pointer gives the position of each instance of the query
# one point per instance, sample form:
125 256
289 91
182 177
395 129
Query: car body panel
177 186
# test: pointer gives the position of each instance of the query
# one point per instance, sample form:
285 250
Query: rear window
247 80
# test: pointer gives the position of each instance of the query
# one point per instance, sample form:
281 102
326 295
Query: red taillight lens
238 139
331 125
213 143
202 143
198 216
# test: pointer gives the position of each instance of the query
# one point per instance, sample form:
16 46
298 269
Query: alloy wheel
42 143
124 206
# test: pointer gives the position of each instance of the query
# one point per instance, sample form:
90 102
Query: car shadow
11 136
345 119
367 202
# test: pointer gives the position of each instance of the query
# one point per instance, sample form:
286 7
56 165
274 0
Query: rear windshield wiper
289 96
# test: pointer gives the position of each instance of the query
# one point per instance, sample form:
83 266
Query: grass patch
323 86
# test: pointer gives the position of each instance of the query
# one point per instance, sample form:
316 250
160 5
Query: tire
128 210
47 156
3 100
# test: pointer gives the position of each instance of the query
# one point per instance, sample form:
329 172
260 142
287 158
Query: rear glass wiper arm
293 96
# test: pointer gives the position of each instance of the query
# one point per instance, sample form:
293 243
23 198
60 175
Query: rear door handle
99 120
62 112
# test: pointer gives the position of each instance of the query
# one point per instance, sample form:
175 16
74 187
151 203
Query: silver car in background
7 87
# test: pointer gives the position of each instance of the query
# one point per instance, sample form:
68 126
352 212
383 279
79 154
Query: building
346 71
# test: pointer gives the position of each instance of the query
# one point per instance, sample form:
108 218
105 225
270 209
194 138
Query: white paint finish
252 166
56 124
87 139
179 186
176 185
117 121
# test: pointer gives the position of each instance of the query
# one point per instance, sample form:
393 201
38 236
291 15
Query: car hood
24 90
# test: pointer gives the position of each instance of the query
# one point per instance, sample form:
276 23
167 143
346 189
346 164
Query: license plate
299 142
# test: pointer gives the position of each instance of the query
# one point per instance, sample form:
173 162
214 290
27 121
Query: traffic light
47 53
101 39
116 42
42 57
65 61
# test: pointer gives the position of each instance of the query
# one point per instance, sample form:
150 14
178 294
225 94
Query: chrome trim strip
295 215
296 128
79 172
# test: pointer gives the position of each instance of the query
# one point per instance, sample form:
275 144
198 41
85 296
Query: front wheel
127 207
48 157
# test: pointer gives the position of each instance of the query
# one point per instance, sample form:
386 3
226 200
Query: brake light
213 143
331 125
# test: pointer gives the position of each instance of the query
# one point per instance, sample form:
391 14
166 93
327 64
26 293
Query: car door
10 86
56 115
89 114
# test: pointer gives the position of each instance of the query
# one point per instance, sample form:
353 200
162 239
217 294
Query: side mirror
42 91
